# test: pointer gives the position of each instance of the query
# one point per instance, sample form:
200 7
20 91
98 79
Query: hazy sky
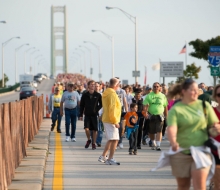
163 28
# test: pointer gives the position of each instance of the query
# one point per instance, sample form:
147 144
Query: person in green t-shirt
187 126
156 105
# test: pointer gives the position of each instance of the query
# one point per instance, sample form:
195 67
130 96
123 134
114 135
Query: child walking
132 120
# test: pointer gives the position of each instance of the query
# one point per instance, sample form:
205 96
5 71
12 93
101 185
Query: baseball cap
148 88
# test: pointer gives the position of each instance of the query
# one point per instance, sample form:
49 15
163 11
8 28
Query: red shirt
218 137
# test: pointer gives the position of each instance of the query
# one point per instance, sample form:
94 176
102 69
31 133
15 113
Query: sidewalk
30 173
81 170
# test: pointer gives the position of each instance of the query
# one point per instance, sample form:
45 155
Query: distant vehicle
25 84
38 78
26 92
34 83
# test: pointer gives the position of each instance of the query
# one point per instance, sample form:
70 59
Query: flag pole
186 55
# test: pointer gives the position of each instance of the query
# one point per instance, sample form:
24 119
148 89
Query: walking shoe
135 152
59 131
112 162
163 138
120 145
150 143
144 142
102 158
158 148
153 146
138 147
88 143
67 138
52 127
130 153
73 139
93 146
98 144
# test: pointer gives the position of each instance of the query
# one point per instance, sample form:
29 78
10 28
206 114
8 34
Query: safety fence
19 123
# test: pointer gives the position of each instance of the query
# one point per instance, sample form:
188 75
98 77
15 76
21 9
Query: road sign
214 55
136 73
91 71
171 69
215 71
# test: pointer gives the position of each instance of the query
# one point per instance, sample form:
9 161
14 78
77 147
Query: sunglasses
218 95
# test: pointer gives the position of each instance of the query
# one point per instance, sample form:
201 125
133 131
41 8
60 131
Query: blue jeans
70 116
56 116
100 132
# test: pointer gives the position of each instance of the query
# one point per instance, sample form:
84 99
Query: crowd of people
189 113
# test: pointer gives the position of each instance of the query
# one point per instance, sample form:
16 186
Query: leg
183 183
107 147
59 121
73 122
113 145
67 122
94 135
199 177
131 142
164 127
135 140
100 133
158 136
139 138
120 131
87 131
53 117
216 178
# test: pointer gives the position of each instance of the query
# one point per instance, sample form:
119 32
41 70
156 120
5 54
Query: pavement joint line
58 163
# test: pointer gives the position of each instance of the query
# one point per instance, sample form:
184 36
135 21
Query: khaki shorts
183 164
111 131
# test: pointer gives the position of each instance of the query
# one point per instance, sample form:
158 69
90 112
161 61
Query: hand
80 118
117 125
61 112
175 146
216 126
100 118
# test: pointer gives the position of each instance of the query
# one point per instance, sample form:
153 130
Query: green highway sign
215 71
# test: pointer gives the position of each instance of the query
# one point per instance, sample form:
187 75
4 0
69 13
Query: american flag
183 50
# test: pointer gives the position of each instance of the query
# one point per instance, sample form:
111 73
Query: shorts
183 164
91 122
111 131
155 124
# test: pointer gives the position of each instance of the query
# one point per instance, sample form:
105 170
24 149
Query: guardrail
9 89
19 123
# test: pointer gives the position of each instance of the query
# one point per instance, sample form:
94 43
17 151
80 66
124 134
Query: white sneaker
67 138
163 138
102 158
120 145
73 139
112 162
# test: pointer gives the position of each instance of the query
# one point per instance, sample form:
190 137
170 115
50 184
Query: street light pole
30 57
99 49
91 70
84 60
134 20
3 45
16 50
35 64
25 57
111 38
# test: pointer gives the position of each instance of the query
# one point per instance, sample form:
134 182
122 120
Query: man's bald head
113 82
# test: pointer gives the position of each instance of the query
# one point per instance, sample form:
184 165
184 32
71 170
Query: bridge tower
59 32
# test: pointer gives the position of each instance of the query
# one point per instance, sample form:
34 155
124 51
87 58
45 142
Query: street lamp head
3 21
93 30
18 37
84 41
108 8
27 44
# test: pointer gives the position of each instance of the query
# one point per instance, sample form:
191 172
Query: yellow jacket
111 107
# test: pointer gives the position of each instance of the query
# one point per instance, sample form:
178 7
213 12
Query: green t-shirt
191 123
156 103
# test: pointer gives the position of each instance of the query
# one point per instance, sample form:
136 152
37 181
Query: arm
50 103
125 104
82 105
171 132
99 103
165 111
61 108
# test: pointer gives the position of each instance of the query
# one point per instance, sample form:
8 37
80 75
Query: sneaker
98 144
93 146
67 138
158 148
150 143
153 146
163 138
88 143
112 162
138 147
102 158
59 131
144 142
52 127
73 139
120 145
130 153
135 152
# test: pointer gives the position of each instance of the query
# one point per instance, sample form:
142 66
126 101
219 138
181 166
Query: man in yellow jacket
111 118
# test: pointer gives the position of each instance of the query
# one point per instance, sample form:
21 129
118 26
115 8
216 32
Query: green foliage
6 79
201 48
192 71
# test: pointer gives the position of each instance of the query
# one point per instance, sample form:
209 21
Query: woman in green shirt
187 126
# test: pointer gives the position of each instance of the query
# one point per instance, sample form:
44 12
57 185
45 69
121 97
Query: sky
163 28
